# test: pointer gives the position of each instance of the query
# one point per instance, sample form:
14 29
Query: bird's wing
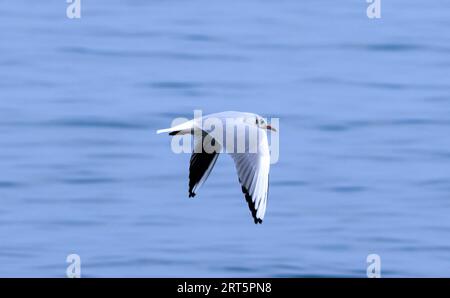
253 172
201 164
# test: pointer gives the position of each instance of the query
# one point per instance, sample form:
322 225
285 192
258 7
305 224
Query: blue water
364 108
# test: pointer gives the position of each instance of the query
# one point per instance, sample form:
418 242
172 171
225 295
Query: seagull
241 135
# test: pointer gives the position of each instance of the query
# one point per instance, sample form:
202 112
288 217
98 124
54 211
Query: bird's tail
183 128
164 130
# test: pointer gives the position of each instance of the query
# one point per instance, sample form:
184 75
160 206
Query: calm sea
364 108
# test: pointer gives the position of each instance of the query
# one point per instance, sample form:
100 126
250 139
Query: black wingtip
174 133
251 205
258 221
191 194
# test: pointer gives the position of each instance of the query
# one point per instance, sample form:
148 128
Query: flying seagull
241 135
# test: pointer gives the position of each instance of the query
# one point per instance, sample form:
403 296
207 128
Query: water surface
364 111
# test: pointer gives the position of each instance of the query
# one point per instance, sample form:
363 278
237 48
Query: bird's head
261 123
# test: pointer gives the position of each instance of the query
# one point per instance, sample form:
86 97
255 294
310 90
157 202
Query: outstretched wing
201 165
253 172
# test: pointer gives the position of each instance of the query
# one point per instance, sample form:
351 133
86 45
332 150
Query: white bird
233 133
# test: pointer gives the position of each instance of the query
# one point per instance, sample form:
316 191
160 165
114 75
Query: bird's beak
271 128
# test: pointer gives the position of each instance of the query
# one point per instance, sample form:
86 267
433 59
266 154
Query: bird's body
241 135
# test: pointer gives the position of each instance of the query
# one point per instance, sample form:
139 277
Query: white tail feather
183 128
164 130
